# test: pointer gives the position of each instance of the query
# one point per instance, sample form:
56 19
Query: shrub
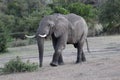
60 9
6 23
86 11
3 43
109 15
16 65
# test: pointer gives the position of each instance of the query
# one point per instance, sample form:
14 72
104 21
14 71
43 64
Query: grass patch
17 65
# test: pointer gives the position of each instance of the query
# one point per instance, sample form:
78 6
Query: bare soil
103 63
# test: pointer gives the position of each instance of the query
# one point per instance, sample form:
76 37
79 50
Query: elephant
63 29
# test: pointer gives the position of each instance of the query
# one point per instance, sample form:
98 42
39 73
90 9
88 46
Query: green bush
109 15
60 9
6 24
16 65
3 43
86 11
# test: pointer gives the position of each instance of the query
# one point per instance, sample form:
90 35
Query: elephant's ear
61 27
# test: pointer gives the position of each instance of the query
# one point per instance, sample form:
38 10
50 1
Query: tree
6 21
86 11
110 15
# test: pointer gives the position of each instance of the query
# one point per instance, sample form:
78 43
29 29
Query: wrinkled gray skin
64 29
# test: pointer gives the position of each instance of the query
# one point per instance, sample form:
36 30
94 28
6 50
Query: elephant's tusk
30 36
43 35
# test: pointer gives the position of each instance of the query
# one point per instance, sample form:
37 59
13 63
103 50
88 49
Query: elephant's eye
49 25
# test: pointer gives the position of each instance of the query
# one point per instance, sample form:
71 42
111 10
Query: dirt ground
103 63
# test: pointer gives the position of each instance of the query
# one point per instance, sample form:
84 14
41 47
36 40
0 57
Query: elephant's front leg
60 60
56 58
59 46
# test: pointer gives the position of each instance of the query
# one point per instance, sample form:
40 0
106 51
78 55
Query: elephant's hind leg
80 53
83 57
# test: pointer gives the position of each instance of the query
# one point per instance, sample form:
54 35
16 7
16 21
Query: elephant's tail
87 46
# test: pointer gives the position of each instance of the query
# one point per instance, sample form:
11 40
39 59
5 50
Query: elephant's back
77 22
73 17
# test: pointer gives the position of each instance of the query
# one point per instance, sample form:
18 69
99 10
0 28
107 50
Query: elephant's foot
83 59
54 64
78 61
40 65
61 63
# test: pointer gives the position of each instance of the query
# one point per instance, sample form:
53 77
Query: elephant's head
56 24
45 27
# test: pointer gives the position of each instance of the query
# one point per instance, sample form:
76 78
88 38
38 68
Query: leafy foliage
24 15
87 11
32 21
19 16
6 24
110 15
16 65
3 43
60 9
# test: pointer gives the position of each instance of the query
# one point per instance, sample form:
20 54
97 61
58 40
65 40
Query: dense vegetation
19 17
110 16
24 15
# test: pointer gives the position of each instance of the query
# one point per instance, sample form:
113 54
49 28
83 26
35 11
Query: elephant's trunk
40 42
